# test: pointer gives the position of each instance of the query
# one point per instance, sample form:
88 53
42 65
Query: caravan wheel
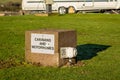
62 10
71 9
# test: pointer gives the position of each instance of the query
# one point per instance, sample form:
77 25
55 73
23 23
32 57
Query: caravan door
89 3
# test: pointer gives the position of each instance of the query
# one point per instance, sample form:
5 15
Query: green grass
95 30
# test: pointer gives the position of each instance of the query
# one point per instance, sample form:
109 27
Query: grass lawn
98 44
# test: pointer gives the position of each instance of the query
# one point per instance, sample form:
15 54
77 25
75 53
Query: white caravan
64 6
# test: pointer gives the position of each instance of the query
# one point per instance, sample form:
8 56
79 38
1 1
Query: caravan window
81 0
88 0
68 0
101 0
34 1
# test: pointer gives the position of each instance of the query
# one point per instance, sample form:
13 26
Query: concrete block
43 46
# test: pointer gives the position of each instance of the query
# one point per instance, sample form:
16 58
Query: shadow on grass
88 51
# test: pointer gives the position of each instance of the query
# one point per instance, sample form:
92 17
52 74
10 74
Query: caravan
71 6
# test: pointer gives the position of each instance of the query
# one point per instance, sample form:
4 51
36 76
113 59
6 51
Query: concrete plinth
2 14
43 46
42 14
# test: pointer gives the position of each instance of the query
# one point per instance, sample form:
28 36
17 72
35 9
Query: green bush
10 6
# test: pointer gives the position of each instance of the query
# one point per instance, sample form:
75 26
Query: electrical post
48 6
